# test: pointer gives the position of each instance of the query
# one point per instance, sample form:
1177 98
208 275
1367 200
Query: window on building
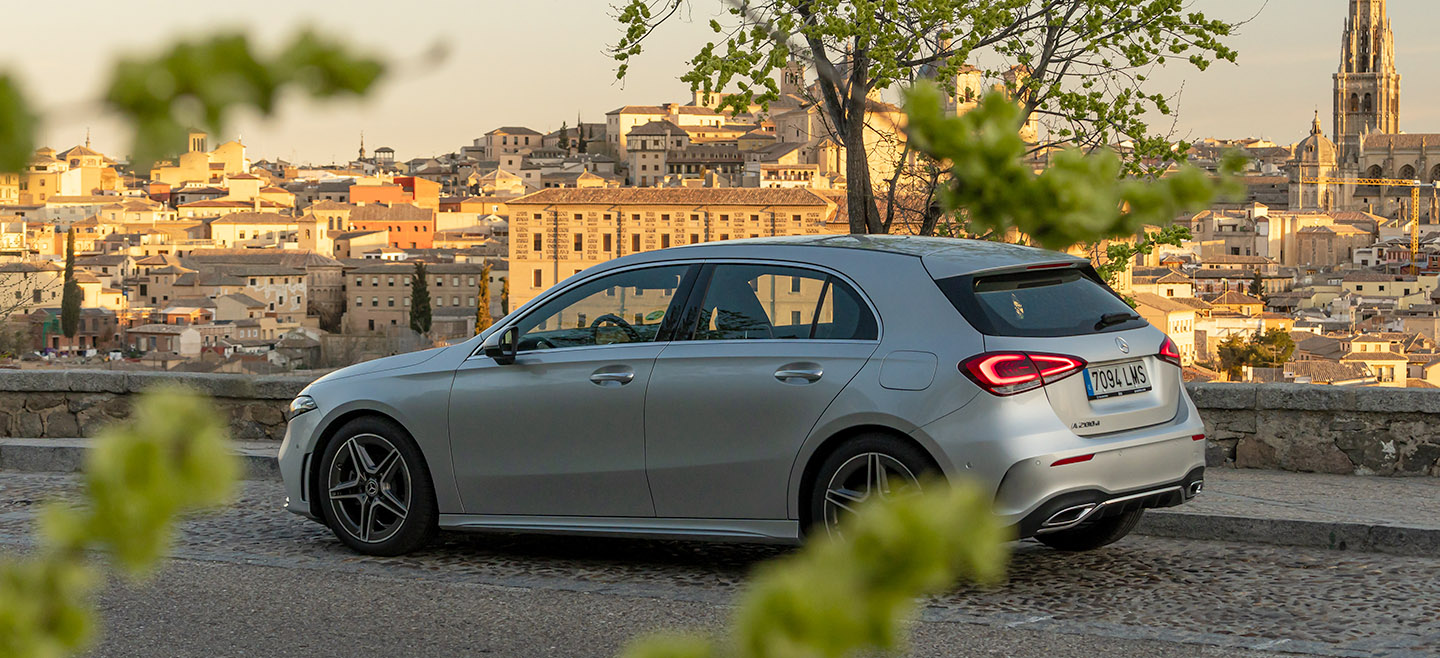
724 236
608 240
665 241
635 242
538 275
537 241
375 301
724 218
579 242
359 301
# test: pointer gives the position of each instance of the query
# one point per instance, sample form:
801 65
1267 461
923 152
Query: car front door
561 430
731 400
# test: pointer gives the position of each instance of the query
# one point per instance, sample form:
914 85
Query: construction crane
1415 187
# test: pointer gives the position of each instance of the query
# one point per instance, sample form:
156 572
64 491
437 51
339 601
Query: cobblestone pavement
1242 596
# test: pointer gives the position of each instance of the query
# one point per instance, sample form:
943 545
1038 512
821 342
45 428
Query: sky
539 62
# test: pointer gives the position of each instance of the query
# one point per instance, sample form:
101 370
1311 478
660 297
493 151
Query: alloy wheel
860 478
369 488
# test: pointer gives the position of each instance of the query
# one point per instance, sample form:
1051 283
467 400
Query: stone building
556 233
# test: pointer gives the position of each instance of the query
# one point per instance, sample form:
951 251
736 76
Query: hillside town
1326 272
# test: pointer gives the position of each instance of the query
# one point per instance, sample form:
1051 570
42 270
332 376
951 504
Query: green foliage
17 127
1271 349
420 300
13 342
839 596
1233 351
1082 65
172 458
1079 198
482 303
565 135
71 296
1257 285
200 83
1119 254
505 296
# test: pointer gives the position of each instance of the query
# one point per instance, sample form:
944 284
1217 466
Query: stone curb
68 456
1332 535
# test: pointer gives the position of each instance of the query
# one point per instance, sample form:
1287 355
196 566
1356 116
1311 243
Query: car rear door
1125 383
762 352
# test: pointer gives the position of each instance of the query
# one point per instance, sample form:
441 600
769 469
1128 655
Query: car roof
943 257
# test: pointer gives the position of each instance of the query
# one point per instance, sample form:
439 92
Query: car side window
765 302
626 307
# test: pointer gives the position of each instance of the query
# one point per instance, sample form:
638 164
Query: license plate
1116 379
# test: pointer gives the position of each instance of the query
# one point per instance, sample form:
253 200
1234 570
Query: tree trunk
860 193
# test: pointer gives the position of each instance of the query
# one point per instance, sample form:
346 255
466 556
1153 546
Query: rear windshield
1045 303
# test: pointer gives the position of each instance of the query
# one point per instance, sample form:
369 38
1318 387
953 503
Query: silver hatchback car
757 390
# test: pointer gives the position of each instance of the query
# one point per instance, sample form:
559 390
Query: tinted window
627 307
763 302
1068 302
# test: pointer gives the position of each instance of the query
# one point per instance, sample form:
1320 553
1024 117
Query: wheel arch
807 464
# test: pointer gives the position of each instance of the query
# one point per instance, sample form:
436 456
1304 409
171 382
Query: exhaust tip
1195 488
1069 516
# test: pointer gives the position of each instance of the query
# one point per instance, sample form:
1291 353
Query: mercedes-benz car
758 390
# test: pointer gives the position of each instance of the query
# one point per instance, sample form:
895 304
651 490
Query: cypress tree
71 297
482 301
505 296
420 300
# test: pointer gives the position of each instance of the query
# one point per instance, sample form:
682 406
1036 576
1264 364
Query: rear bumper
1079 507
1035 466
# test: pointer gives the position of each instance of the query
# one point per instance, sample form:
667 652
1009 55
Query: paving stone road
1143 596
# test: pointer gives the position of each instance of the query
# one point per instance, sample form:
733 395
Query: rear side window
1045 303
769 302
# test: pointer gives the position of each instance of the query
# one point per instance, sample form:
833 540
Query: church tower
1367 87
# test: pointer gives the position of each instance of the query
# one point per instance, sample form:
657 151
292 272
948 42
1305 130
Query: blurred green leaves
839 596
170 459
1079 198
17 127
199 83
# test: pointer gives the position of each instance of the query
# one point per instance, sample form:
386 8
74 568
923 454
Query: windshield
1046 303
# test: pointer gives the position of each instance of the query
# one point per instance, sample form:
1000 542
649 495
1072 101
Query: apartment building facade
556 233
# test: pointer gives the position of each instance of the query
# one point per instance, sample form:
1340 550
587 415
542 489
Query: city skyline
1287 55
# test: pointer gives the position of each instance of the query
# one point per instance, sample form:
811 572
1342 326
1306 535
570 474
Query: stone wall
1321 429
1293 427
77 403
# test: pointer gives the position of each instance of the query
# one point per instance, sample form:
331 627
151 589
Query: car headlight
302 404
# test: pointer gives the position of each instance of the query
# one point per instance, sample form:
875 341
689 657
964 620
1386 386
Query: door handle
612 378
785 374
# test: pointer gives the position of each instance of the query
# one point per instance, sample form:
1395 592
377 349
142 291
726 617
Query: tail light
1008 373
1169 353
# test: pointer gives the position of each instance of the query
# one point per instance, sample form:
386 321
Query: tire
363 506
1091 536
896 456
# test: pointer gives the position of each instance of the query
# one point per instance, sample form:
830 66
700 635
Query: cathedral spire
1367 85
362 145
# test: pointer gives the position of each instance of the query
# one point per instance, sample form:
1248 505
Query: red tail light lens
1169 353
1008 373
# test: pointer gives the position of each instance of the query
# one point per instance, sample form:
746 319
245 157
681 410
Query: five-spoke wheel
369 488
866 467
377 498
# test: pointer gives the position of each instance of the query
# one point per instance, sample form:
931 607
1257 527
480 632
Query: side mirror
503 346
